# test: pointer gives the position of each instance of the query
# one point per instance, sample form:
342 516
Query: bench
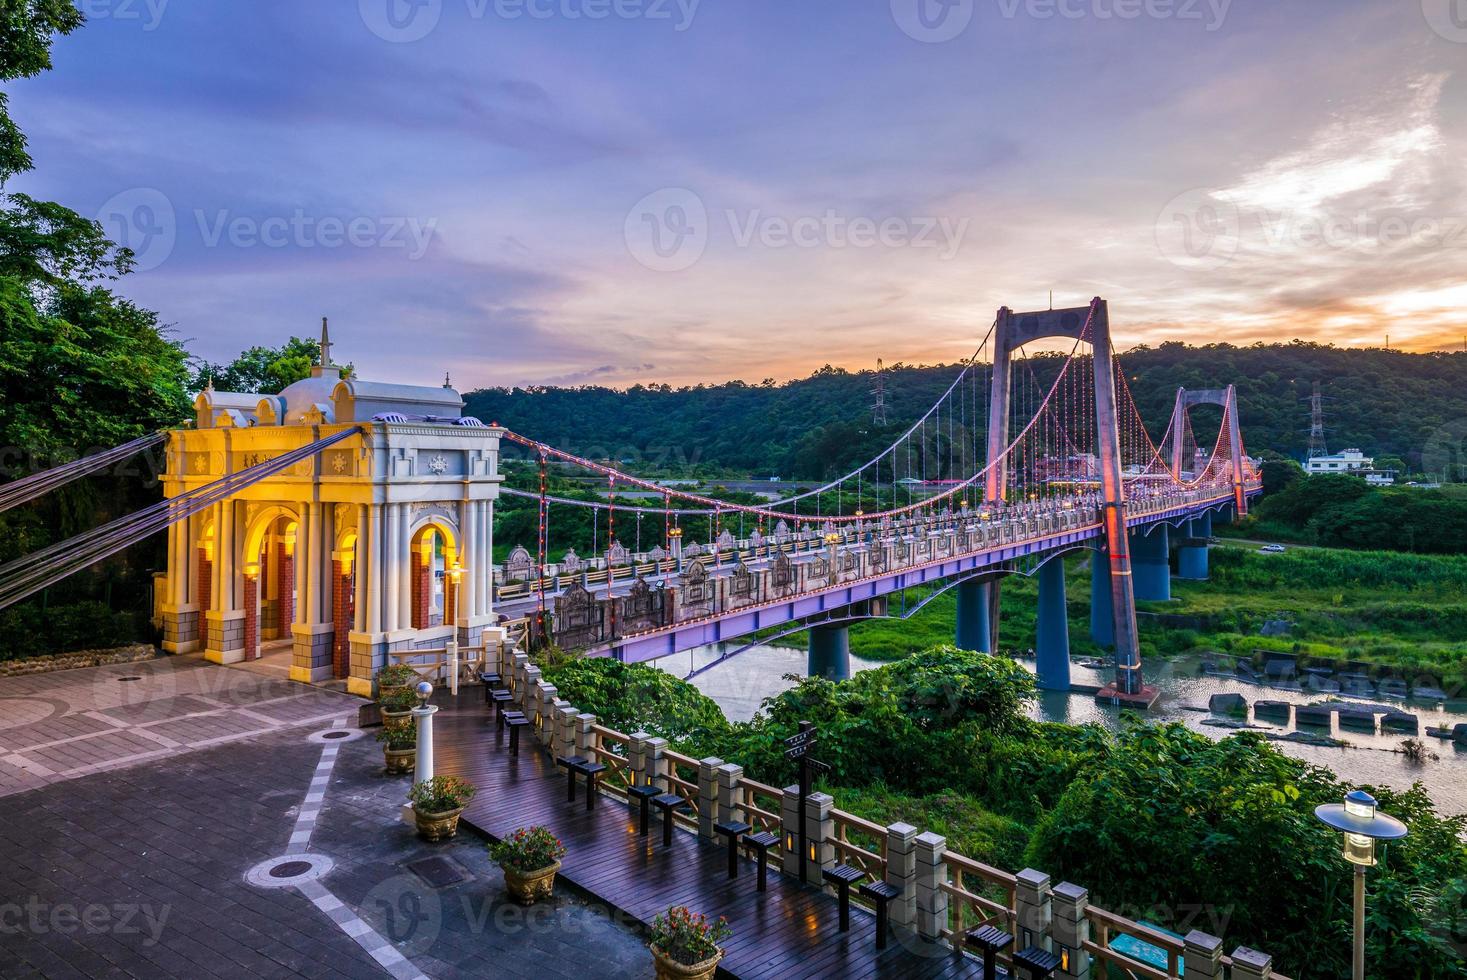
589 770
843 876
514 721
990 941
881 893
733 830
500 700
668 803
761 843
490 680
1038 963
644 795
569 765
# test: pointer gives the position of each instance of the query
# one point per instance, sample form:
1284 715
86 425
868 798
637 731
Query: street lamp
1362 826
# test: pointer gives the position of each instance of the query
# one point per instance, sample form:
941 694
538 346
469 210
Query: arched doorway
269 600
434 551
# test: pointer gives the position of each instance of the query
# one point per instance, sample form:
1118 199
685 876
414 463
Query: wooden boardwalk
789 931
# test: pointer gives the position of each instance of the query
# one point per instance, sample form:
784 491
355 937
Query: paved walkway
788 932
74 723
141 869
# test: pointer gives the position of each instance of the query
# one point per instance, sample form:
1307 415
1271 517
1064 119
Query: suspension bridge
351 523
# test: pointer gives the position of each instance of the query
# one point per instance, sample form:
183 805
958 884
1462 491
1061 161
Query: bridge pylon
1089 324
1227 399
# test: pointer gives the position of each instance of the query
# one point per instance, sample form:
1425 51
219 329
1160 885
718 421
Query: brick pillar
342 595
284 589
251 617
708 795
901 872
1072 931
931 874
206 592
450 607
1202 957
1032 903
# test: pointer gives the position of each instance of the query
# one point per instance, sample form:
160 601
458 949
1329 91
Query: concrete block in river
1272 709
1313 714
1400 721
1357 719
1230 704
1392 687
1459 733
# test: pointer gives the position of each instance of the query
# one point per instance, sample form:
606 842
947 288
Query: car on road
1273 549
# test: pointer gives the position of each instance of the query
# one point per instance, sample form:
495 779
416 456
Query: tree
27 28
263 370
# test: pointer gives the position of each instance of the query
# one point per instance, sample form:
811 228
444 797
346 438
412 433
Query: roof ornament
446 383
325 345
209 387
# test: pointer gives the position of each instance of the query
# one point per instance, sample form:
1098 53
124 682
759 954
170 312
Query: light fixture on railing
1362 826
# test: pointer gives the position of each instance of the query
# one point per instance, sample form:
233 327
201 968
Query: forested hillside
1385 402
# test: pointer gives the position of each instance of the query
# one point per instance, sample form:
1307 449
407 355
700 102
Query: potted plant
397 708
530 857
399 748
394 678
437 803
685 944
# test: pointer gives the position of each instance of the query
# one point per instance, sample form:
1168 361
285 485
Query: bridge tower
1089 324
1227 399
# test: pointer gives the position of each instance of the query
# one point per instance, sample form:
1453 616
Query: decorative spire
325 345
446 383
210 376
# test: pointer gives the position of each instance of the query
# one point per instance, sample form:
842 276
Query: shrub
528 849
687 937
441 794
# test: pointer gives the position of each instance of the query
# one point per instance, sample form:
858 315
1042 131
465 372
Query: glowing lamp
456 573
1362 826
252 570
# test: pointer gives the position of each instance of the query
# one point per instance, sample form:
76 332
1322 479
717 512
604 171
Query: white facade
1346 462
346 554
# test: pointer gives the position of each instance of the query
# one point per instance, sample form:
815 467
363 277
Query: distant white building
1349 461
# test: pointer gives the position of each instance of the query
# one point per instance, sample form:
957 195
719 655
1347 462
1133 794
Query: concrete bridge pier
1102 609
1052 634
973 632
829 652
1151 572
1192 552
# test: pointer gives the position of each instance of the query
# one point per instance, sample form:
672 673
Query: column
1192 551
586 736
973 630
375 579
1102 615
819 829
1150 570
404 546
1052 631
931 852
1034 912
391 583
569 730
829 652
901 872
1072 931
284 587
789 826
341 606
360 563
1202 957
728 792
708 795
252 617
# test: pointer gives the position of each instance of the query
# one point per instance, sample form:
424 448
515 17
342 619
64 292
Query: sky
620 191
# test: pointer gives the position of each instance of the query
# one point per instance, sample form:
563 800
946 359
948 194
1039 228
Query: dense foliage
1388 403
1160 822
1345 512
263 370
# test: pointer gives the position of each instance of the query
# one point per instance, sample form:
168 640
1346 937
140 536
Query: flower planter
670 969
437 826
400 761
397 720
529 887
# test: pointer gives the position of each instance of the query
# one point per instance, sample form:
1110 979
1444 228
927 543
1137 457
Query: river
741 684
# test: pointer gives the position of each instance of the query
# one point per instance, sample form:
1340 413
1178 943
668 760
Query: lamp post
1362 826
455 579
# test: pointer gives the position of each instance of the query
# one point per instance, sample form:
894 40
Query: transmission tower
1316 424
878 410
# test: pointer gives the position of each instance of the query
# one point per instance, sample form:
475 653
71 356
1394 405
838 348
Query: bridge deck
789 931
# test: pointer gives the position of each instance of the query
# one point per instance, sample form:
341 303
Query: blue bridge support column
1052 635
1102 608
973 623
830 652
1151 572
1192 553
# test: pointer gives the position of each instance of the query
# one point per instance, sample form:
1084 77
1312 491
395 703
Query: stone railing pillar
541 694
1250 964
517 666
708 795
656 766
728 791
819 829
1034 913
567 717
901 872
1071 931
526 695
586 736
637 758
931 854
1202 957
550 719
789 830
